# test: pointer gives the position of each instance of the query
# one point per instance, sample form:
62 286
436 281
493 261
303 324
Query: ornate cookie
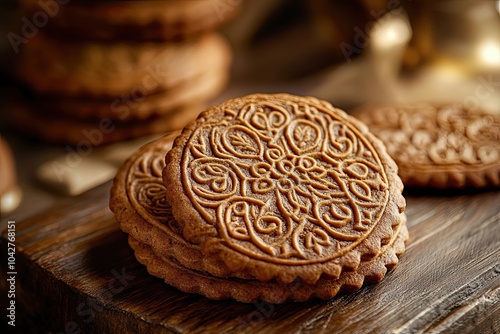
248 291
446 146
98 70
134 20
138 199
139 203
283 187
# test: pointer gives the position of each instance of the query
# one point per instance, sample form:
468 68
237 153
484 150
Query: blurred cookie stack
106 71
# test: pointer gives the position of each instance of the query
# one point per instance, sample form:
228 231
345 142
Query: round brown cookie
248 291
447 146
283 187
133 20
134 106
54 128
140 207
138 199
49 66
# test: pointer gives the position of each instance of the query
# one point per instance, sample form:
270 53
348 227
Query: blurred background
84 83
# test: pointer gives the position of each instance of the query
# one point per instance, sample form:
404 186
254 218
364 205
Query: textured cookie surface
139 203
138 199
445 146
283 187
247 291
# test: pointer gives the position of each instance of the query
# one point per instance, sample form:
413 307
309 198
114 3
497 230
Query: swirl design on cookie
286 182
443 136
138 199
440 146
146 191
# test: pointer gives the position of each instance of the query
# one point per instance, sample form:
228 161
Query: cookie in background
145 20
439 146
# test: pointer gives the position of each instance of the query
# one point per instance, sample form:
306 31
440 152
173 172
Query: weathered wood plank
76 273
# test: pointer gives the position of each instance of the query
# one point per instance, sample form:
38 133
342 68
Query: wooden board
76 274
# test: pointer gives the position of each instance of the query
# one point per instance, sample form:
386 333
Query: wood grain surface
77 274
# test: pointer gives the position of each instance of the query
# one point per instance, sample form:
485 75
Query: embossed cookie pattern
147 191
299 178
447 146
448 136
287 183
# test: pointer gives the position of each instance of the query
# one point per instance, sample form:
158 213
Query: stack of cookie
106 71
270 197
